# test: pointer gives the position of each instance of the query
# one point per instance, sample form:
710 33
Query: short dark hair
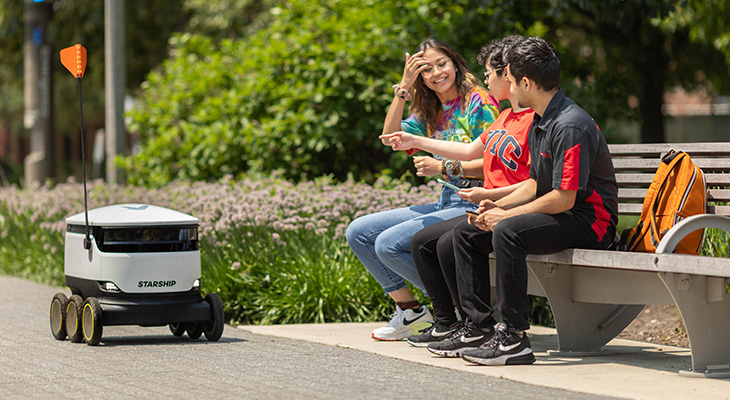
494 52
535 59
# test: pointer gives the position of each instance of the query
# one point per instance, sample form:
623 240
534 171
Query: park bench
595 294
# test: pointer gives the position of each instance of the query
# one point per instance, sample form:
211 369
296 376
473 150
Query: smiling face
440 75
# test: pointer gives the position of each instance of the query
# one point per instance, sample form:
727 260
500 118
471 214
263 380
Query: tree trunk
652 64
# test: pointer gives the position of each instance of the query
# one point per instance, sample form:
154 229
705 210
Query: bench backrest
636 164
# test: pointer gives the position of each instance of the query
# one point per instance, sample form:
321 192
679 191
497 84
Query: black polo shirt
569 152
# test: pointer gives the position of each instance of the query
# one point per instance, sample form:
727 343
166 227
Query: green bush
306 94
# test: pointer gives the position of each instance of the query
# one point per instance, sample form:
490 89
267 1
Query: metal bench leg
583 328
705 310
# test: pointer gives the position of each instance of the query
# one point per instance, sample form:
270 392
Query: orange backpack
677 191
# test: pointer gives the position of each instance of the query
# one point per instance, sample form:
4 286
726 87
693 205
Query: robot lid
128 215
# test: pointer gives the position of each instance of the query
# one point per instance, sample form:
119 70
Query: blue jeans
382 241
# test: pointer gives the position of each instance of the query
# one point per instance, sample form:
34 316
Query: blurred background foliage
301 86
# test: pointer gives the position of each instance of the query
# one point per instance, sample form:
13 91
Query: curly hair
495 52
426 103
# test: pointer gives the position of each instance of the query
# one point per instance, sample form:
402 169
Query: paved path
627 369
150 363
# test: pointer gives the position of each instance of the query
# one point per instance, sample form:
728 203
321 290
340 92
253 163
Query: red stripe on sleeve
571 168
603 218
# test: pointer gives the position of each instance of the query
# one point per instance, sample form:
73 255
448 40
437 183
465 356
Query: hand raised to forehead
414 65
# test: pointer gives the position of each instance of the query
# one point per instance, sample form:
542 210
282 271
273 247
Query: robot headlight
110 286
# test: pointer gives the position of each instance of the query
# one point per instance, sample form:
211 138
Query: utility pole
38 91
115 82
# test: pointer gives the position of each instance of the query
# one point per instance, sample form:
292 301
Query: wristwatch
447 167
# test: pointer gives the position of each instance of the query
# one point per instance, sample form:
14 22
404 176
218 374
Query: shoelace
501 336
395 317
462 330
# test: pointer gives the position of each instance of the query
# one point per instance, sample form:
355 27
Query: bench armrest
672 238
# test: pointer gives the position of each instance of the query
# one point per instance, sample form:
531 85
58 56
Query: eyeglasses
487 73
442 65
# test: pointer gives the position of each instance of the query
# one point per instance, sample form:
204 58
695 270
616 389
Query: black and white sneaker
503 348
468 337
434 333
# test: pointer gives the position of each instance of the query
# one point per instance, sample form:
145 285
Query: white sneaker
404 323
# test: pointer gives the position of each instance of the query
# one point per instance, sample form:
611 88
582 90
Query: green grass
29 251
290 277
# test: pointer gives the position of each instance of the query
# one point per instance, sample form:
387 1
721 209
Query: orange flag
74 59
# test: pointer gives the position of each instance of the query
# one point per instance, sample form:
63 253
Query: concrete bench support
706 321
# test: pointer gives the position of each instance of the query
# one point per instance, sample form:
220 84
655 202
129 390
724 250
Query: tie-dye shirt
459 123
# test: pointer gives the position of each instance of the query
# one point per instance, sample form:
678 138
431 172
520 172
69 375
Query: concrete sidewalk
631 369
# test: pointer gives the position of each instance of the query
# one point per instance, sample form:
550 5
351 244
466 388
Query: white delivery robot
133 264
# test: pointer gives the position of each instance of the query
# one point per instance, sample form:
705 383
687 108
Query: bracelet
402 93
458 170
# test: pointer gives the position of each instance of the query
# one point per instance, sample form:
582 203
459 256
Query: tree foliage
303 86
306 94
706 21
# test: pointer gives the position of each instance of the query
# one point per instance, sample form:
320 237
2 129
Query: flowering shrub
319 206
273 250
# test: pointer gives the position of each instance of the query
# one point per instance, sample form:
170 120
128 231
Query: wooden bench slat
651 165
631 195
718 210
657 149
719 195
638 194
645 179
635 209
629 208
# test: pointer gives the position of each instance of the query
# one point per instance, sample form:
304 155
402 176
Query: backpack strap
670 156
672 159
626 241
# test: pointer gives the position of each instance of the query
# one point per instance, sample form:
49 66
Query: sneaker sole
511 359
451 353
387 339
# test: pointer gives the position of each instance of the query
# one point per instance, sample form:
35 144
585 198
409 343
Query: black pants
433 252
512 240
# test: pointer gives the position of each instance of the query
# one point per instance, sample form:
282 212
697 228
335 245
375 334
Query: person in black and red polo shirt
570 201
